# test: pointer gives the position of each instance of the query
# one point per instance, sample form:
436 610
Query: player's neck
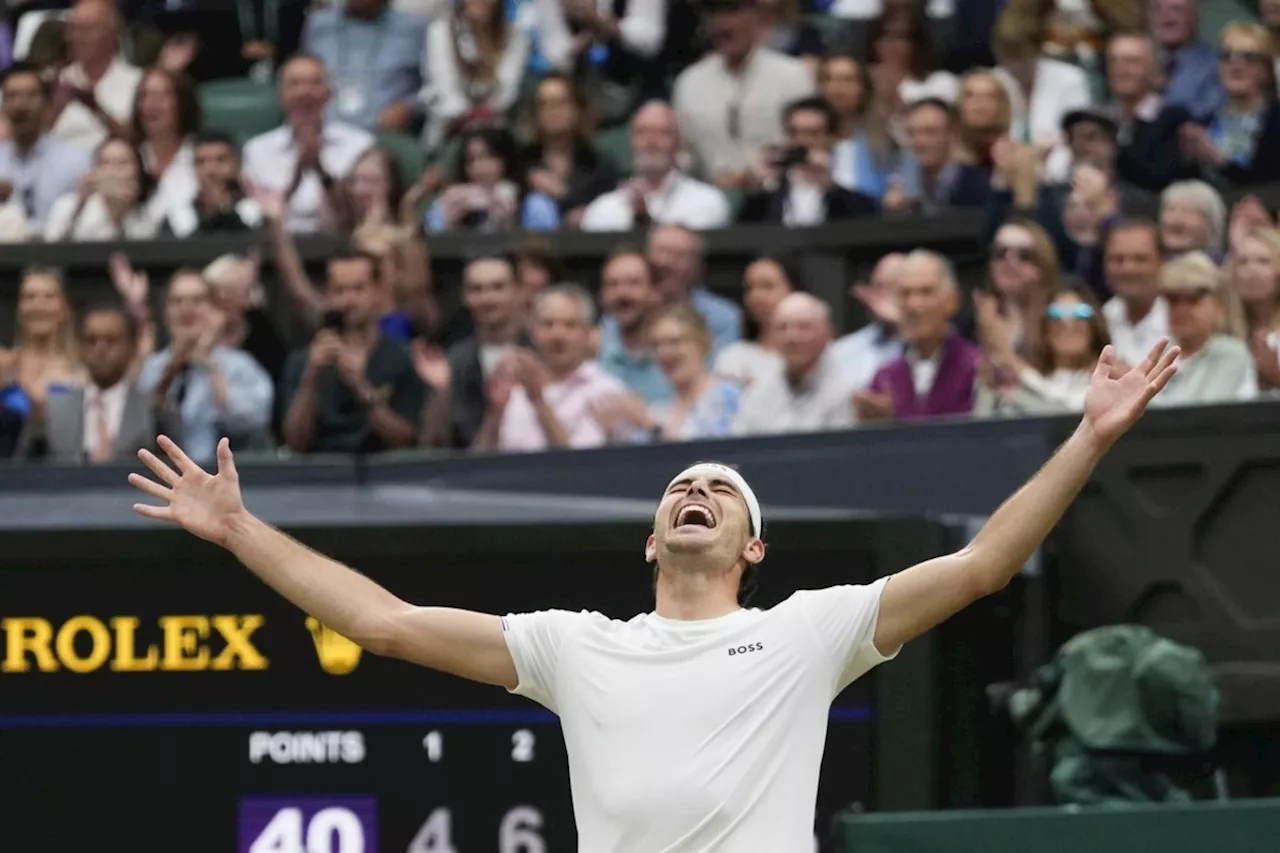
691 597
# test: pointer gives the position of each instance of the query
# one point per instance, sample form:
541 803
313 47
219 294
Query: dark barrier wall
158 697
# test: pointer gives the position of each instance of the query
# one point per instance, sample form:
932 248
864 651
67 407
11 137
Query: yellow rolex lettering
240 652
126 659
27 636
99 644
183 649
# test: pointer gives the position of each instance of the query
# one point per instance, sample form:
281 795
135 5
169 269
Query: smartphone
333 320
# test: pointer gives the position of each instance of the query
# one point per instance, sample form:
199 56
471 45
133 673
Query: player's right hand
207 505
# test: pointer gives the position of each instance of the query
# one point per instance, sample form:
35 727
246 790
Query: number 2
522 746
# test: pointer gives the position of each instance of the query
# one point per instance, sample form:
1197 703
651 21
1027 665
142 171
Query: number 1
433 743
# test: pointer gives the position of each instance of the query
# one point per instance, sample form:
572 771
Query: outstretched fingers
226 462
179 457
1106 361
1153 358
151 487
158 467
160 513
1155 386
1163 363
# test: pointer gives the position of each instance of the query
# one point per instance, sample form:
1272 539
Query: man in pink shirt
543 401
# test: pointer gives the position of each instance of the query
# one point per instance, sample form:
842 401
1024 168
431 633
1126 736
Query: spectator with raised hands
1215 366
701 406
45 360
765 283
93 95
862 353
111 202
931 179
475 65
659 193
561 160
134 289
309 155
1022 271
36 168
1237 143
1053 375
166 117
548 400
490 194
198 387
937 371
373 192
795 183
1253 273
865 153
352 389
218 203
240 305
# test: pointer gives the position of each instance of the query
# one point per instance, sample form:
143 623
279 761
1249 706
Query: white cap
713 471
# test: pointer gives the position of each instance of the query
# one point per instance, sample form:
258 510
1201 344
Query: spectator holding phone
111 203
796 184
353 390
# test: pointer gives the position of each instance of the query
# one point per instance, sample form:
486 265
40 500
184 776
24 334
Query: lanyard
249 31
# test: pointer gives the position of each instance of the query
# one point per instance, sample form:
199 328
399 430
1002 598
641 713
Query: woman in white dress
166 116
111 203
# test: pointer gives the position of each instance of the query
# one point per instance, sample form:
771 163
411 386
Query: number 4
435 836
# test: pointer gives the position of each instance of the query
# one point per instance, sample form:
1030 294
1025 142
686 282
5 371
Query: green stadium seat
408 153
835 31
242 108
614 145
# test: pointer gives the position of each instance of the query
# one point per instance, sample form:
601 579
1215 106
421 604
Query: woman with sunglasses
1055 374
1021 272
1237 143
1205 321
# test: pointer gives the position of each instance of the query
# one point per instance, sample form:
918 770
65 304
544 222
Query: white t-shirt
685 737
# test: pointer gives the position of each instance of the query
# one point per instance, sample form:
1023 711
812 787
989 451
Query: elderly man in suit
110 418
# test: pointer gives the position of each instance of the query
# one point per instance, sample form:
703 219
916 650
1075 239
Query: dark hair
184 92
187 272
146 181
933 103
213 136
1136 225
130 321
1040 356
924 60
539 252
627 250
813 104
20 69
584 133
500 144
351 253
751 330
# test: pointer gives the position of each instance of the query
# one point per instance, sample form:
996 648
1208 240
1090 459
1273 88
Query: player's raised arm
210 506
922 596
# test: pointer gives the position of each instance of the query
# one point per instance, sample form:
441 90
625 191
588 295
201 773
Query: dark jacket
1150 158
469 398
771 206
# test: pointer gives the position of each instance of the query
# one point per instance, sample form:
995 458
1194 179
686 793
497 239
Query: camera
333 320
795 155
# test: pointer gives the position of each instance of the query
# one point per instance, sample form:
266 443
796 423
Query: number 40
332 830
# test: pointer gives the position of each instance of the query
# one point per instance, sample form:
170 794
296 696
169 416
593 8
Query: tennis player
699 727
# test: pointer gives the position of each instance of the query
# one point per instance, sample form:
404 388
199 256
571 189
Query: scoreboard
179 705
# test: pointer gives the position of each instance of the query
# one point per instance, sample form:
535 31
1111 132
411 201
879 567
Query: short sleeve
844 620
535 641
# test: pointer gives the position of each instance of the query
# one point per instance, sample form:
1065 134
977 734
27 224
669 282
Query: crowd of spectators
658 118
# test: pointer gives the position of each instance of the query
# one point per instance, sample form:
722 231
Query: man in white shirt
93 98
699 726
1136 316
810 393
730 103
659 193
308 155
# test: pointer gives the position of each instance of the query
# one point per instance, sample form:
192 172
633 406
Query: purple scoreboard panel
180 706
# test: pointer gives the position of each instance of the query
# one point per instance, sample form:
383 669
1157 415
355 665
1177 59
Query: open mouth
695 515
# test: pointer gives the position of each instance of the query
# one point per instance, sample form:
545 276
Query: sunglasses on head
1017 253
1226 55
1176 296
1079 311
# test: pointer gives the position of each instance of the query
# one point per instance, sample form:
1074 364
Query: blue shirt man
374 59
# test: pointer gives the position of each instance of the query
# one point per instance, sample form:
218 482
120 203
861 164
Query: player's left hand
1118 396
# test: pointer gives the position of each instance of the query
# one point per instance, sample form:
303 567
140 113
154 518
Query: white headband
713 470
